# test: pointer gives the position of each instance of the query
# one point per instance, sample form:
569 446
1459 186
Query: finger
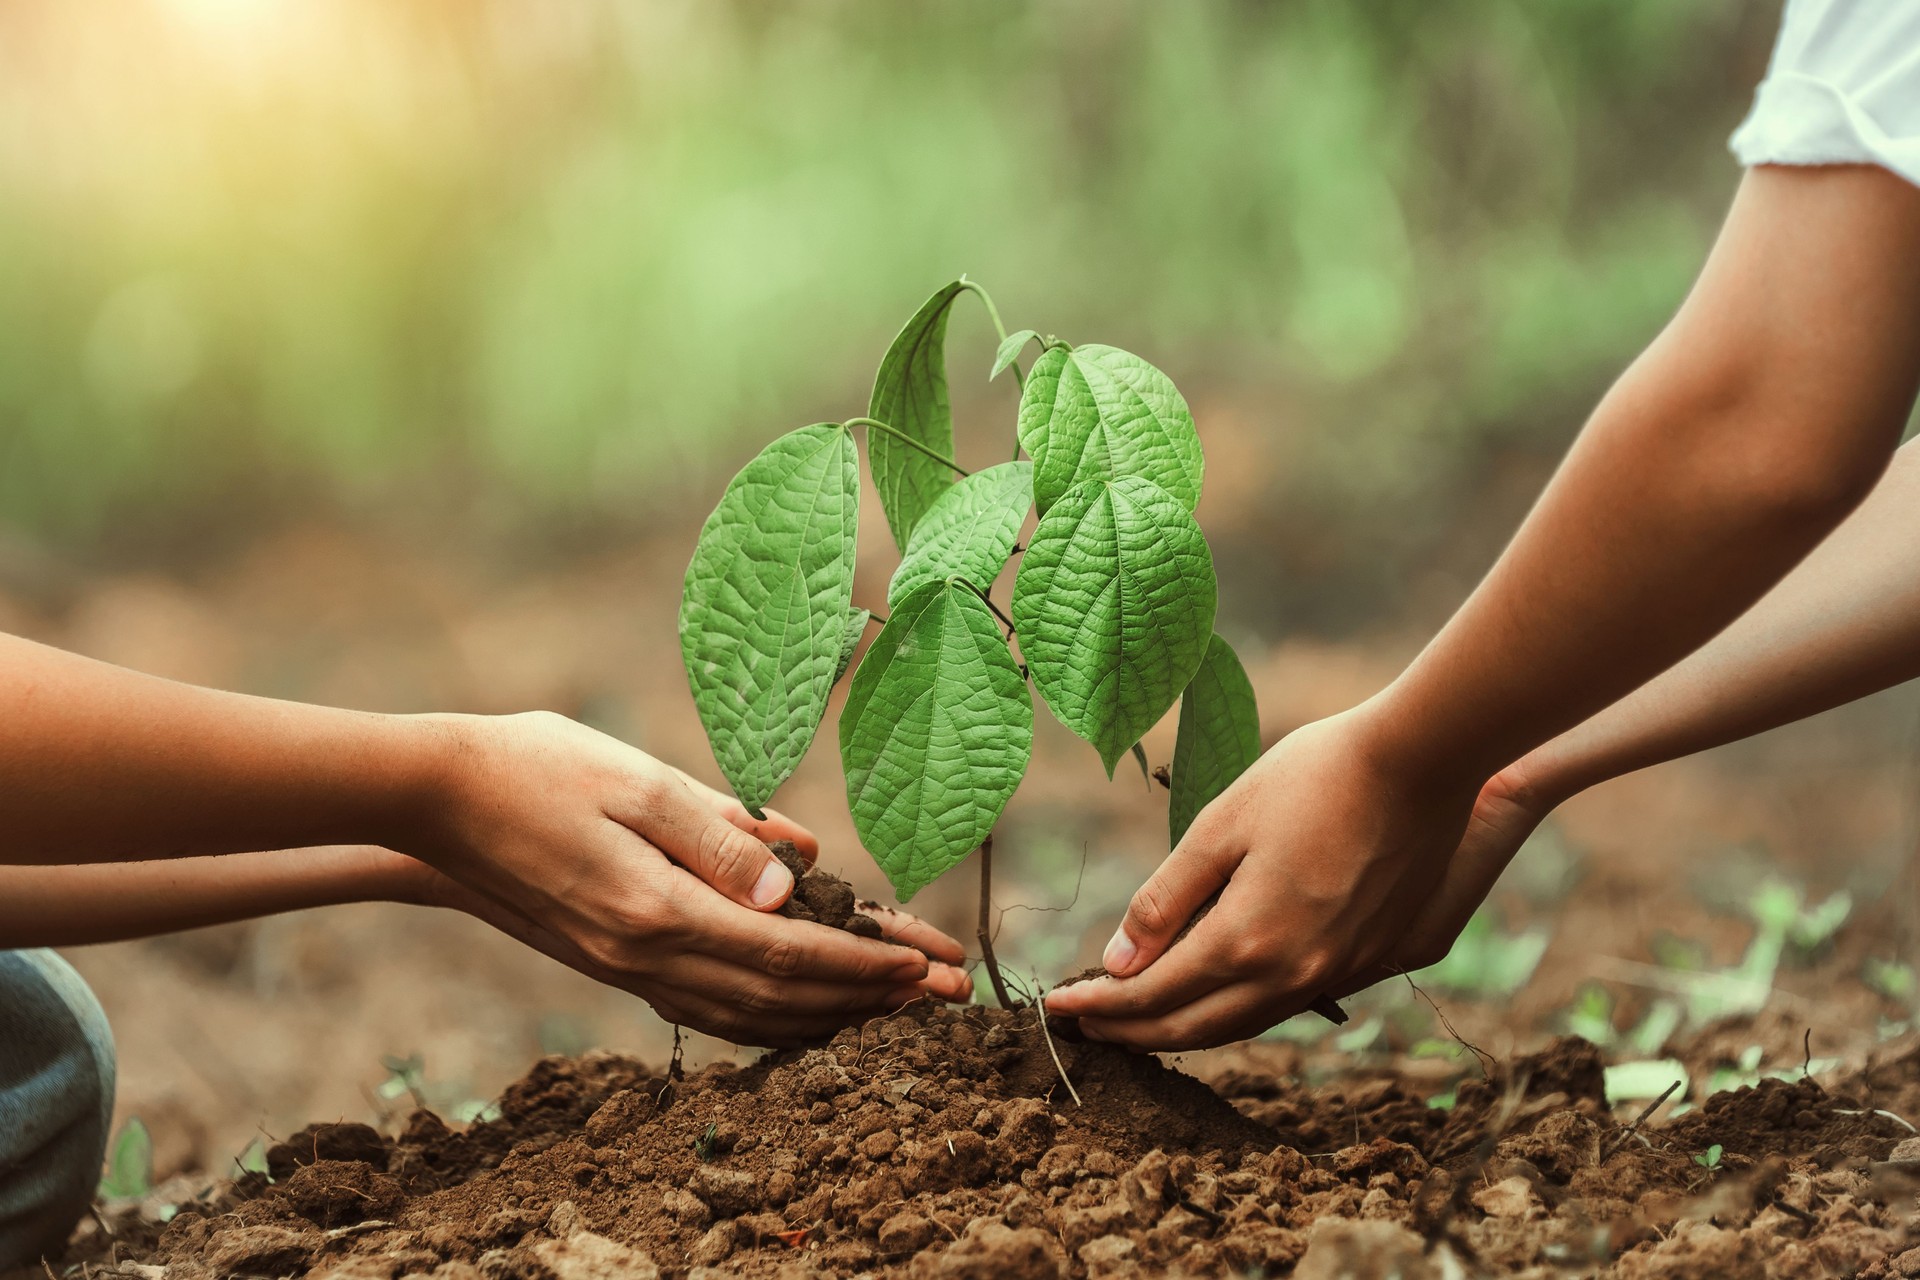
720 853
1200 964
910 930
786 948
753 991
1236 1012
948 982
1162 907
688 1009
775 826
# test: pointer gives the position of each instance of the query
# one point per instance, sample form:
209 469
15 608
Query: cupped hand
1323 853
620 866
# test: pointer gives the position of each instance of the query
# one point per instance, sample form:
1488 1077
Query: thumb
705 843
1162 908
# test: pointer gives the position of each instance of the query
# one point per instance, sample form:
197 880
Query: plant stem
986 925
993 314
988 601
872 424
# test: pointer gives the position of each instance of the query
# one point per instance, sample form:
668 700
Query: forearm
110 902
1735 444
98 763
1844 623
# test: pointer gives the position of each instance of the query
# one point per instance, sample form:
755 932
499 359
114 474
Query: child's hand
620 866
1323 854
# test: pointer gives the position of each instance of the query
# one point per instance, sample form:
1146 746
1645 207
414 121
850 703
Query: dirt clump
942 1142
821 896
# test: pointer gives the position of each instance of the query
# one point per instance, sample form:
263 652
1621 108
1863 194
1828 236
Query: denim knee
56 1102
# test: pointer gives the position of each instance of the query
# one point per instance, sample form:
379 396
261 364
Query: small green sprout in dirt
406 1077
253 1159
1710 1158
129 1174
1643 1081
1110 618
1893 979
1590 1016
1486 961
703 1146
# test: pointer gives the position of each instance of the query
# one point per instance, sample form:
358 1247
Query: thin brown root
1481 1056
1040 1013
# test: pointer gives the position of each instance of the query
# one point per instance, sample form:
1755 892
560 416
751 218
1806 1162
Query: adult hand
1322 853
1505 813
617 864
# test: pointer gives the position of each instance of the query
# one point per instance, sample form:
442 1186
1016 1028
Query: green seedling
129 1173
1485 961
1590 1016
1710 1158
406 1077
1746 1071
1643 1081
1893 979
703 1146
253 1159
1111 613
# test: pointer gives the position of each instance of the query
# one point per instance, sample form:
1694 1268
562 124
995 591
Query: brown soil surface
944 1142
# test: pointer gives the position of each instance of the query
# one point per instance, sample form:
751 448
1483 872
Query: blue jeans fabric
56 1102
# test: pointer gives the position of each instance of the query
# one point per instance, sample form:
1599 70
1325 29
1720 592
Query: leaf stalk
874 424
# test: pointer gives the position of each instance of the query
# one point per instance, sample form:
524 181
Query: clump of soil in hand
821 896
940 1144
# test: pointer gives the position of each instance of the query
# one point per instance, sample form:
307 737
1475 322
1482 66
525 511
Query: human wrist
1411 758
427 759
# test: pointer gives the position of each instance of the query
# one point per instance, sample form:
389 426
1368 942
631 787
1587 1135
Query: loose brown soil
944 1142
821 896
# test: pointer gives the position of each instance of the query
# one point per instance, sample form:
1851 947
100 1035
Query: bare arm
1845 623
566 838
44 906
111 902
1744 434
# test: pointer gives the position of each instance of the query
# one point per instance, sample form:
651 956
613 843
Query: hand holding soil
618 865
1321 857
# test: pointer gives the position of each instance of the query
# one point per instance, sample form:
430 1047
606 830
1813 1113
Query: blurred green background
549 268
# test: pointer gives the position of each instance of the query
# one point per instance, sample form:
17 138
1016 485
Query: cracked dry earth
941 1143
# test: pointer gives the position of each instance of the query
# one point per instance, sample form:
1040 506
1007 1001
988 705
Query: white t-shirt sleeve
1843 88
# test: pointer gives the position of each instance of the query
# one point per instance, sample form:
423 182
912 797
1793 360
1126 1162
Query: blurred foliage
571 257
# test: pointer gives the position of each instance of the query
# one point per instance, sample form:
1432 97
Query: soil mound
944 1142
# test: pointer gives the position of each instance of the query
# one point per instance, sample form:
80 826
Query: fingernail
774 884
1121 954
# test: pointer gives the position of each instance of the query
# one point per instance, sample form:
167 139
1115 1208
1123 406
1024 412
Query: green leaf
1100 413
129 1173
935 735
1010 348
1643 1081
910 395
1219 735
763 618
856 627
969 532
1114 604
